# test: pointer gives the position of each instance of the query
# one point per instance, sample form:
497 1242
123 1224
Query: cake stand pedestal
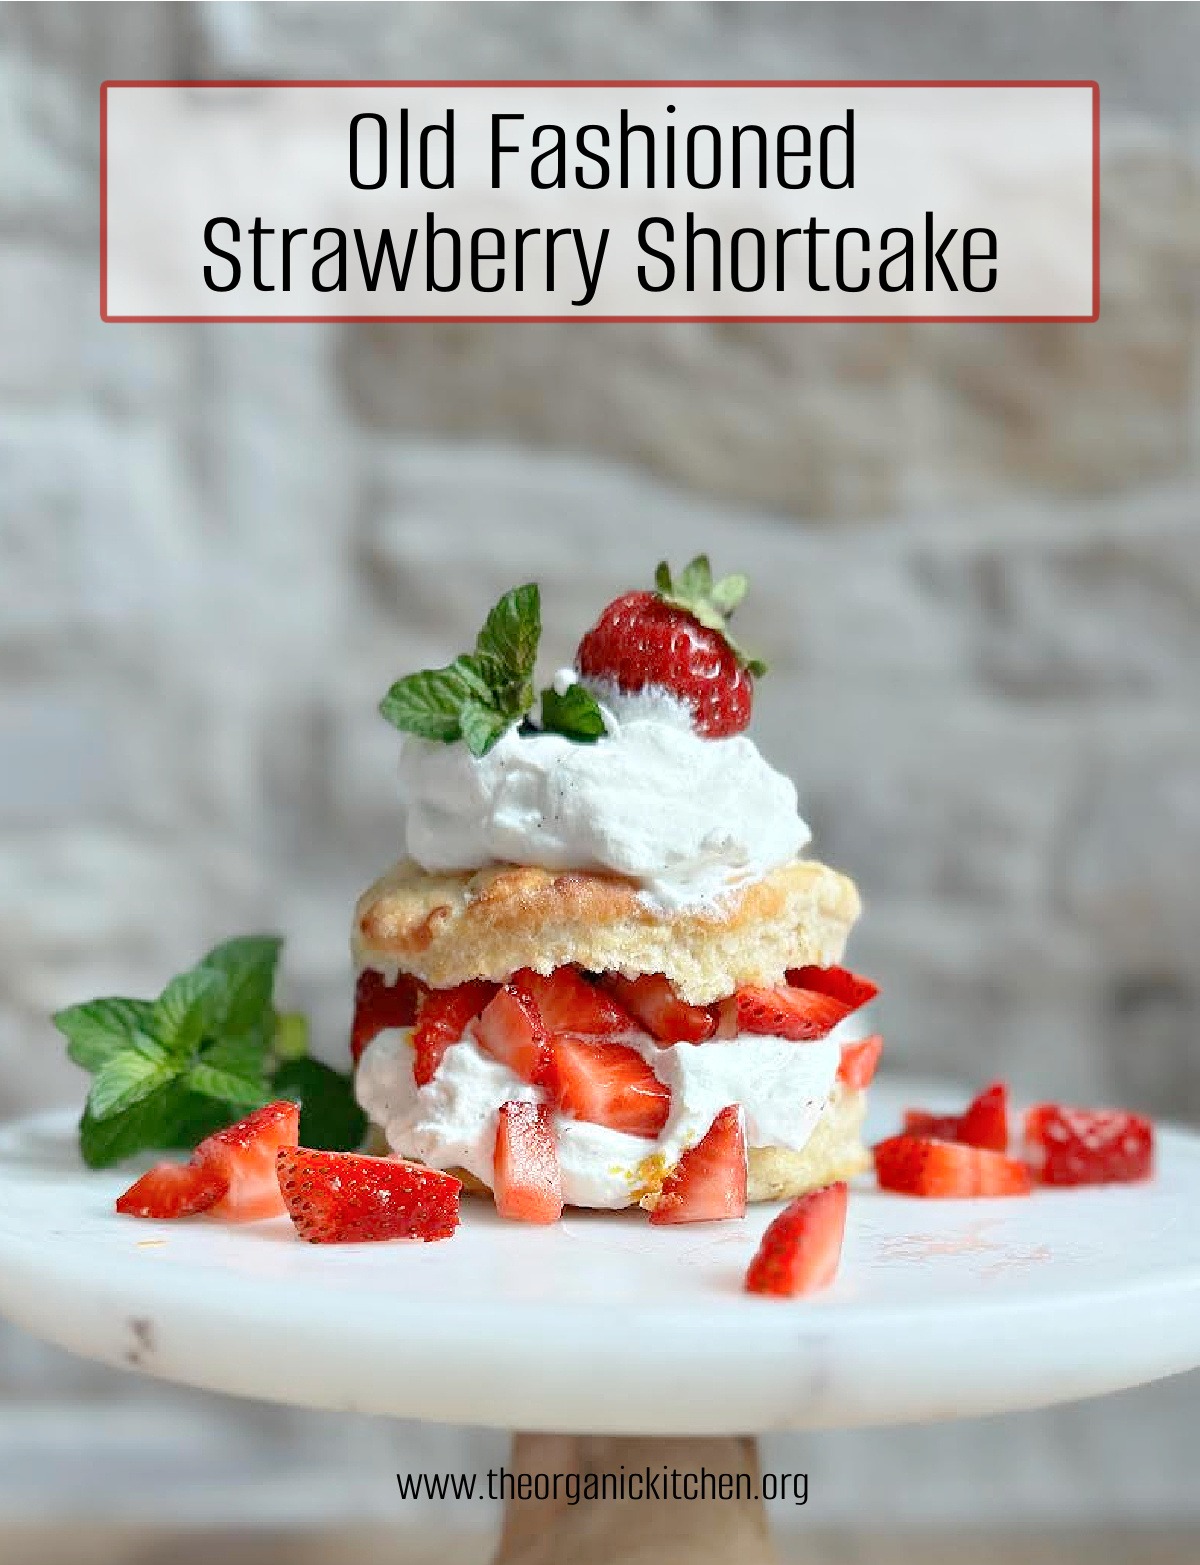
637 1344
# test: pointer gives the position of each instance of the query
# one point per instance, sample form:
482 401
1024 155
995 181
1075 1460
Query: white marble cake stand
603 1327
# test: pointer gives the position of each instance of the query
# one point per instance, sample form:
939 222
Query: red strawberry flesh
526 1183
350 1198
859 1062
568 1003
244 1155
511 1031
946 1170
1071 1146
379 1005
441 1021
799 1014
708 1183
839 983
801 1250
653 1001
173 1190
607 1084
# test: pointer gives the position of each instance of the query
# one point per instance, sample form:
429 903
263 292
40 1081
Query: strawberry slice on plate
860 1061
568 1003
800 1014
709 1181
653 1001
442 1019
607 1084
1067 1146
511 1031
526 1183
348 1197
173 1190
946 1170
801 1250
839 983
379 1005
244 1156
983 1123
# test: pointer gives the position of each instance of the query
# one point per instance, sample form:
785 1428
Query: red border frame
600 320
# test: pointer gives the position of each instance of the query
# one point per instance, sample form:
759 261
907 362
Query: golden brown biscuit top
447 928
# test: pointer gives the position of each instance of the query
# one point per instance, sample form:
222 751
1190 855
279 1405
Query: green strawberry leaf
710 602
98 1029
575 714
330 1118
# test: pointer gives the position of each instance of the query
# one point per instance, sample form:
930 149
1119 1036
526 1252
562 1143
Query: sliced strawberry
511 1031
709 1181
347 1197
1067 1146
568 1003
918 1165
244 1155
442 1020
653 1001
801 1249
526 1179
859 1062
983 1123
173 1190
378 1005
782 1013
607 1084
839 983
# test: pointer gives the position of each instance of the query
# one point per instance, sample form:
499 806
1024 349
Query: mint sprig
482 694
711 602
210 1049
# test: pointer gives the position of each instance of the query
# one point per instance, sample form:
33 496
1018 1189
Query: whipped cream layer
783 1088
689 818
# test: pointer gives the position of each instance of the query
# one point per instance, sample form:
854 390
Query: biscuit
447 928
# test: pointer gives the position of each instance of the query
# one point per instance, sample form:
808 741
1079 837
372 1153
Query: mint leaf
575 714
98 1029
228 1087
481 694
330 1119
291 1036
167 1118
248 965
512 631
188 1007
128 1077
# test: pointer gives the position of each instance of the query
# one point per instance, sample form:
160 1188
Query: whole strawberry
676 639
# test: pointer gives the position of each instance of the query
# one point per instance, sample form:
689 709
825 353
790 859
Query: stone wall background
976 557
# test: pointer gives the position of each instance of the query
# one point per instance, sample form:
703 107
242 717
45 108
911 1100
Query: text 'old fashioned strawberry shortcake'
602 974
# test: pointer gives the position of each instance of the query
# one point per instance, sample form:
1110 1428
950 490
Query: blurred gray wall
976 563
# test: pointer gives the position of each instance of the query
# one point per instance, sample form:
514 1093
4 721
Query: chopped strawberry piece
709 1181
859 1062
173 1190
801 1249
983 1123
244 1155
917 1165
661 1012
607 1084
526 1179
348 1197
568 1003
511 1031
1067 1146
800 1014
378 1005
442 1020
839 983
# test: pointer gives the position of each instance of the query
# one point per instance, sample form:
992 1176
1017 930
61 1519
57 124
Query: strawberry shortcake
603 974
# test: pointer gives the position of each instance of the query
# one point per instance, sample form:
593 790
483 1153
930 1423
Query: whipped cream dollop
783 1088
687 817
